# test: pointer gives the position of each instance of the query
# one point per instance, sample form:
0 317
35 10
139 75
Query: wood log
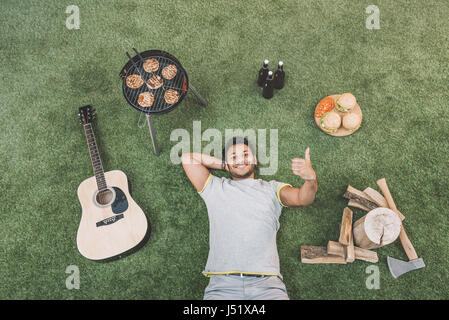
346 227
376 197
381 201
361 197
350 254
366 255
314 254
355 204
376 229
338 249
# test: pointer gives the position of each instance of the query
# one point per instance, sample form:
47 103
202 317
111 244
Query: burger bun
345 102
330 121
351 121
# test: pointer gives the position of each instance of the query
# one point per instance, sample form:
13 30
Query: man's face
240 161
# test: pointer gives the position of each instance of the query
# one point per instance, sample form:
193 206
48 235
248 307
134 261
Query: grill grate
179 83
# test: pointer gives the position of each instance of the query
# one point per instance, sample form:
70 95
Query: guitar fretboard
95 157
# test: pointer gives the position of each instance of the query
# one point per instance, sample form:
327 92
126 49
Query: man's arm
299 197
304 196
197 165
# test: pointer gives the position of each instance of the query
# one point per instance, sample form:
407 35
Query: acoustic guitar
112 224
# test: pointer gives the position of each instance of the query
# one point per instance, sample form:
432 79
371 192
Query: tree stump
376 229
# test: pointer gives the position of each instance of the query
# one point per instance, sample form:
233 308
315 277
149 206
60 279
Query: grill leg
203 102
152 134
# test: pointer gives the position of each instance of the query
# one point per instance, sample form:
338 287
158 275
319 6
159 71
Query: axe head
399 267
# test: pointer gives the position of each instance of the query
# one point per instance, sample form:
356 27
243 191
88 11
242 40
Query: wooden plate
341 132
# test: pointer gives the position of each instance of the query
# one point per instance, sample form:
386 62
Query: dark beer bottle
263 73
268 86
279 76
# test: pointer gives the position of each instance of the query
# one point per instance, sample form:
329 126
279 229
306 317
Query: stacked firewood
378 228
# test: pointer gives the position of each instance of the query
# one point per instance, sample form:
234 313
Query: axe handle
405 241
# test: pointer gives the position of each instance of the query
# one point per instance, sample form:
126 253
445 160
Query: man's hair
236 140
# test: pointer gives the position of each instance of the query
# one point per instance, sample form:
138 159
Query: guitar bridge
109 220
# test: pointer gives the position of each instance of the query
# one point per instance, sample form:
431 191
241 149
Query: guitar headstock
86 114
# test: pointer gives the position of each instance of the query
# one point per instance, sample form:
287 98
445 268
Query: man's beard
242 176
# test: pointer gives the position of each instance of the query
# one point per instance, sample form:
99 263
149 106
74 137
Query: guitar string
93 148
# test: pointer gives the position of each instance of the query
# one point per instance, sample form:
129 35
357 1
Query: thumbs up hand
303 167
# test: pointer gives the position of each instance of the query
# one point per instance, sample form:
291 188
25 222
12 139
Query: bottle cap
265 62
281 63
270 73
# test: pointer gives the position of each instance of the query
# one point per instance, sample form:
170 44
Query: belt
247 275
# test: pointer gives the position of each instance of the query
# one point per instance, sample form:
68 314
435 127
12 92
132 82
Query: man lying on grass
243 261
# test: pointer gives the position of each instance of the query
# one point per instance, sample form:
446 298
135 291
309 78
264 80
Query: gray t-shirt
243 222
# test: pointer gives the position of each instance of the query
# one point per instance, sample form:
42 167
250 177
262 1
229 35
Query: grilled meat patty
169 72
171 96
145 99
151 65
134 81
155 82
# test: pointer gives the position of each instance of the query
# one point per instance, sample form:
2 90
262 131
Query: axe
399 267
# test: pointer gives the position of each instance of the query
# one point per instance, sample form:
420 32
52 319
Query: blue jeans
236 287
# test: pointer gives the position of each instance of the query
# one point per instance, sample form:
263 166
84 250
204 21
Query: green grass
398 73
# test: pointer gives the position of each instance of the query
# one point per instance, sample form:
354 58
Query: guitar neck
95 157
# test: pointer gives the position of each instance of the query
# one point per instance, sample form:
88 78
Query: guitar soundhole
104 197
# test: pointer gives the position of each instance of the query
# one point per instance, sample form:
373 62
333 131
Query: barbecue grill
179 83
